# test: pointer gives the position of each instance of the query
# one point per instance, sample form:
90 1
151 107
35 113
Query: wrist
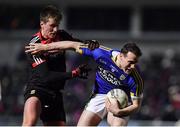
116 113
46 47
75 73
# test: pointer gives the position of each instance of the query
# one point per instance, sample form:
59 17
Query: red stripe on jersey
43 40
36 64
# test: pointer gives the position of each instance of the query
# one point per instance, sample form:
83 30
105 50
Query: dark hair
131 47
50 12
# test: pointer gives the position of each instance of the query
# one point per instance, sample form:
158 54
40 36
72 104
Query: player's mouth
127 71
52 34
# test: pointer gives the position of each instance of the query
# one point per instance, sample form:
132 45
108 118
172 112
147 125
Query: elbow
136 108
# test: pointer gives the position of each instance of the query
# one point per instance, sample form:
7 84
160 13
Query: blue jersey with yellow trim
110 76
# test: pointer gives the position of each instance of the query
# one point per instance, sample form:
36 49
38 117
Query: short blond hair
50 12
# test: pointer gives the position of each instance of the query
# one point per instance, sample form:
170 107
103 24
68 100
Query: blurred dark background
153 24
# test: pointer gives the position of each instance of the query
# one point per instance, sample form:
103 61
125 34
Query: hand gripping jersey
110 76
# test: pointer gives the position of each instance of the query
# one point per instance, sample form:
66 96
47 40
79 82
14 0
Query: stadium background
153 24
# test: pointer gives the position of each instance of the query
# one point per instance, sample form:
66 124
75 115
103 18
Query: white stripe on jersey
35 39
37 60
40 60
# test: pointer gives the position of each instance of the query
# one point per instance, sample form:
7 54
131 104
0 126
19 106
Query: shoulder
64 33
67 36
35 38
114 53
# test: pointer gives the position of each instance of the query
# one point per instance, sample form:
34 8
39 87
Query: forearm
49 76
60 45
57 76
126 111
129 109
63 45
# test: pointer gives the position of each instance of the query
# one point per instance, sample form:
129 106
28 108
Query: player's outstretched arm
81 71
38 47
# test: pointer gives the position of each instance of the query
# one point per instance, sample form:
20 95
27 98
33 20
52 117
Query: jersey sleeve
50 76
96 53
137 85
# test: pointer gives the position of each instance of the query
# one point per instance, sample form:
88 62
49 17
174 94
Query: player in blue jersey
116 69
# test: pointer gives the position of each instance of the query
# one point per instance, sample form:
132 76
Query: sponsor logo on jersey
46 106
33 92
102 61
108 76
122 77
113 69
37 61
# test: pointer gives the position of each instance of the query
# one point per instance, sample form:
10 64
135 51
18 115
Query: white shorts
97 105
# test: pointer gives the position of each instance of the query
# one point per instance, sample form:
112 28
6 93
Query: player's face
49 28
128 61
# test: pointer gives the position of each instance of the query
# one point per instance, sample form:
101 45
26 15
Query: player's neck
44 36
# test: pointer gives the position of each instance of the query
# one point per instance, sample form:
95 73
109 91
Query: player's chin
128 71
52 36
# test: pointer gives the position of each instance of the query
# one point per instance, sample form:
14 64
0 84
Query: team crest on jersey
108 76
122 77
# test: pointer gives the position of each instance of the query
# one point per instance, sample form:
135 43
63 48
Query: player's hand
92 44
107 104
112 106
35 48
81 71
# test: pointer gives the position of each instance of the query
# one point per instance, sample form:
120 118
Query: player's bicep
138 85
136 92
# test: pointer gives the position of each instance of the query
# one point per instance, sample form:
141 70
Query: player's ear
41 23
120 55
